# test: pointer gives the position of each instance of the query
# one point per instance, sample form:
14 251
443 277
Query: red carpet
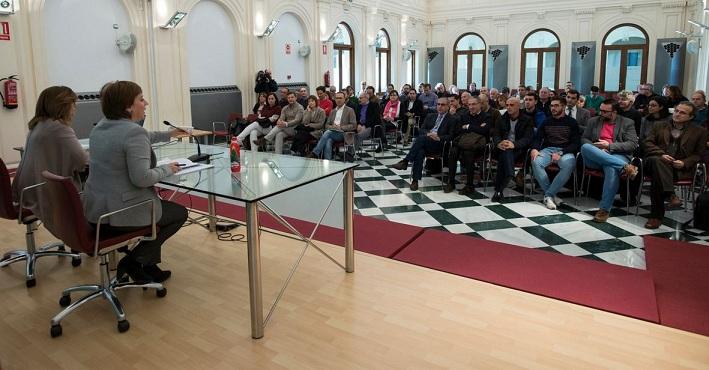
371 235
604 286
681 273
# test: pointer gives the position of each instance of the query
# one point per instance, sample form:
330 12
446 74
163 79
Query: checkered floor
383 192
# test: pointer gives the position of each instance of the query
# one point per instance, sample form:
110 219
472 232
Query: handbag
471 141
264 122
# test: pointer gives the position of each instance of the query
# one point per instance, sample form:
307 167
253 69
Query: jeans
325 144
566 164
611 164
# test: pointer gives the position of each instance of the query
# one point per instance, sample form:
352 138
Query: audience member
368 116
512 137
581 115
428 99
675 96
291 116
324 101
625 101
594 99
313 121
303 97
341 120
608 144
265 120
413 111
531 110
557 140
699 99
644 94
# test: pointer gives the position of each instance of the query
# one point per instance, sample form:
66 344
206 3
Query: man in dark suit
673 150
512 137
413 111
473 121
368 115
581 115
436 131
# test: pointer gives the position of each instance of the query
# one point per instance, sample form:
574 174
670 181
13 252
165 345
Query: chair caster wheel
65 300
31 282
76 261
161 292
123 326
56 331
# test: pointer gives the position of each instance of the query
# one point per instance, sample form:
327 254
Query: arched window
469 60
382 73
343 57
540 59
624 58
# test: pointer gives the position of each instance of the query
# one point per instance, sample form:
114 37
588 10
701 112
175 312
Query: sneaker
601 216
558 200
549 203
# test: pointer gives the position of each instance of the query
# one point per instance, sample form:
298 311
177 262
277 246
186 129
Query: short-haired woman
123 173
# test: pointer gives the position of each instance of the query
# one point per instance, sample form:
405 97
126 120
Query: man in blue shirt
428 98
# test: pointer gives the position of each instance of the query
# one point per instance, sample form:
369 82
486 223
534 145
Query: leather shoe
414 185
133 269
653 223
156 273
497 197
401 165
467 190
447 188
601 216
378 149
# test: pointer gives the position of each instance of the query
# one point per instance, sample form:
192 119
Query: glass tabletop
262 175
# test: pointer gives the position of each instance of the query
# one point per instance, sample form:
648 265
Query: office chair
10 211
76 232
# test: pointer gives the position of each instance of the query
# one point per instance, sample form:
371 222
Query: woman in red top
265 120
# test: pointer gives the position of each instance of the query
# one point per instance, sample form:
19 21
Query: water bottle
235 155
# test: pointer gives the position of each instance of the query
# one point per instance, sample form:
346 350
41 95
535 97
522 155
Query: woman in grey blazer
122 174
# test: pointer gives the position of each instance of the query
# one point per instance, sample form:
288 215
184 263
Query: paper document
186 166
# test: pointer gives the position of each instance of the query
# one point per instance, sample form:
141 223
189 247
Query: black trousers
467 158
506 166
662 180
300 141
148 253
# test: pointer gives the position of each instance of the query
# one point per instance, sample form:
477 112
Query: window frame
378 57
624 57
540 59
340 48
469 67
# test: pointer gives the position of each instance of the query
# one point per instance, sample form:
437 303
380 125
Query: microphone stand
199 157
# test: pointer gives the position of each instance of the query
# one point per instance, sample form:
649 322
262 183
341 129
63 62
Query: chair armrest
22 202
153 227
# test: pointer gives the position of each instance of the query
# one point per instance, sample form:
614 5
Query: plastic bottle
235 155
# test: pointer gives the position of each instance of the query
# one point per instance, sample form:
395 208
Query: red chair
220 129
694 185
10 211
598 173
76 232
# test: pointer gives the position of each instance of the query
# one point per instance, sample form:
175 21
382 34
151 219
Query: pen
183 166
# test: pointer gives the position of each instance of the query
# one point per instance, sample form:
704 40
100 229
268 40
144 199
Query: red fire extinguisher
326 79
9 92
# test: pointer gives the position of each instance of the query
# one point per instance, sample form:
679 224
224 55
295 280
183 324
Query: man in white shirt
342 120
581 115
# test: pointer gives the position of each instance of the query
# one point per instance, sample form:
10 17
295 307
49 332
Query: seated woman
265 119
122 175
51 145
311 128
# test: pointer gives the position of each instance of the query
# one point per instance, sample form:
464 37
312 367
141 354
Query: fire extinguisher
9 92
326 79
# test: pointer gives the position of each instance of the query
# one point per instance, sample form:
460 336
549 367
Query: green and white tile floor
383 192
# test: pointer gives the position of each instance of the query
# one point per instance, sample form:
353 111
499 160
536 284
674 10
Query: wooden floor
386 315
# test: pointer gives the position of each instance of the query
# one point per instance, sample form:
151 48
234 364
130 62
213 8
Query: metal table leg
348 194
254 251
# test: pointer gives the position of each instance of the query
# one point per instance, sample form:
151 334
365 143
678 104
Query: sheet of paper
186 166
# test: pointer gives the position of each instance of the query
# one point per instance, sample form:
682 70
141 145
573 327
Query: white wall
80 43
210 46
289 31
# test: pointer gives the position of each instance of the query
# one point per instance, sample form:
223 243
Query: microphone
199 157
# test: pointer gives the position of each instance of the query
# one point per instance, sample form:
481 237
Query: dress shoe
156 273
414 185
378 149
621 203
467 190
519 179
260 142
497 197
675 202
653 223
601 216
133 269
401 165
447 188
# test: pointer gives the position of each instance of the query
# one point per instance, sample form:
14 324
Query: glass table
262 175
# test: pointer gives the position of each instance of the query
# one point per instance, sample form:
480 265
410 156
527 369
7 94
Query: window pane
377 80
342 36
626 35
542 39
549 69
336 69
634 71
382 41
462 71
612 78
345 70
478 69
385 71
470 42
530 69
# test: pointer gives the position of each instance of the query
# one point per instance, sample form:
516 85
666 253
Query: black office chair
11 211
76 232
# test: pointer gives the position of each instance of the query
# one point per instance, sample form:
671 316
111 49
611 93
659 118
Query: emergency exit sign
5 31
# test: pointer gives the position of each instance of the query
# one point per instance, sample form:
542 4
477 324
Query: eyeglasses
606 111
441 103
681 112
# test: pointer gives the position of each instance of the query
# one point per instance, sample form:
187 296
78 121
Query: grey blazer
120 174
582 117
625 139
348 121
